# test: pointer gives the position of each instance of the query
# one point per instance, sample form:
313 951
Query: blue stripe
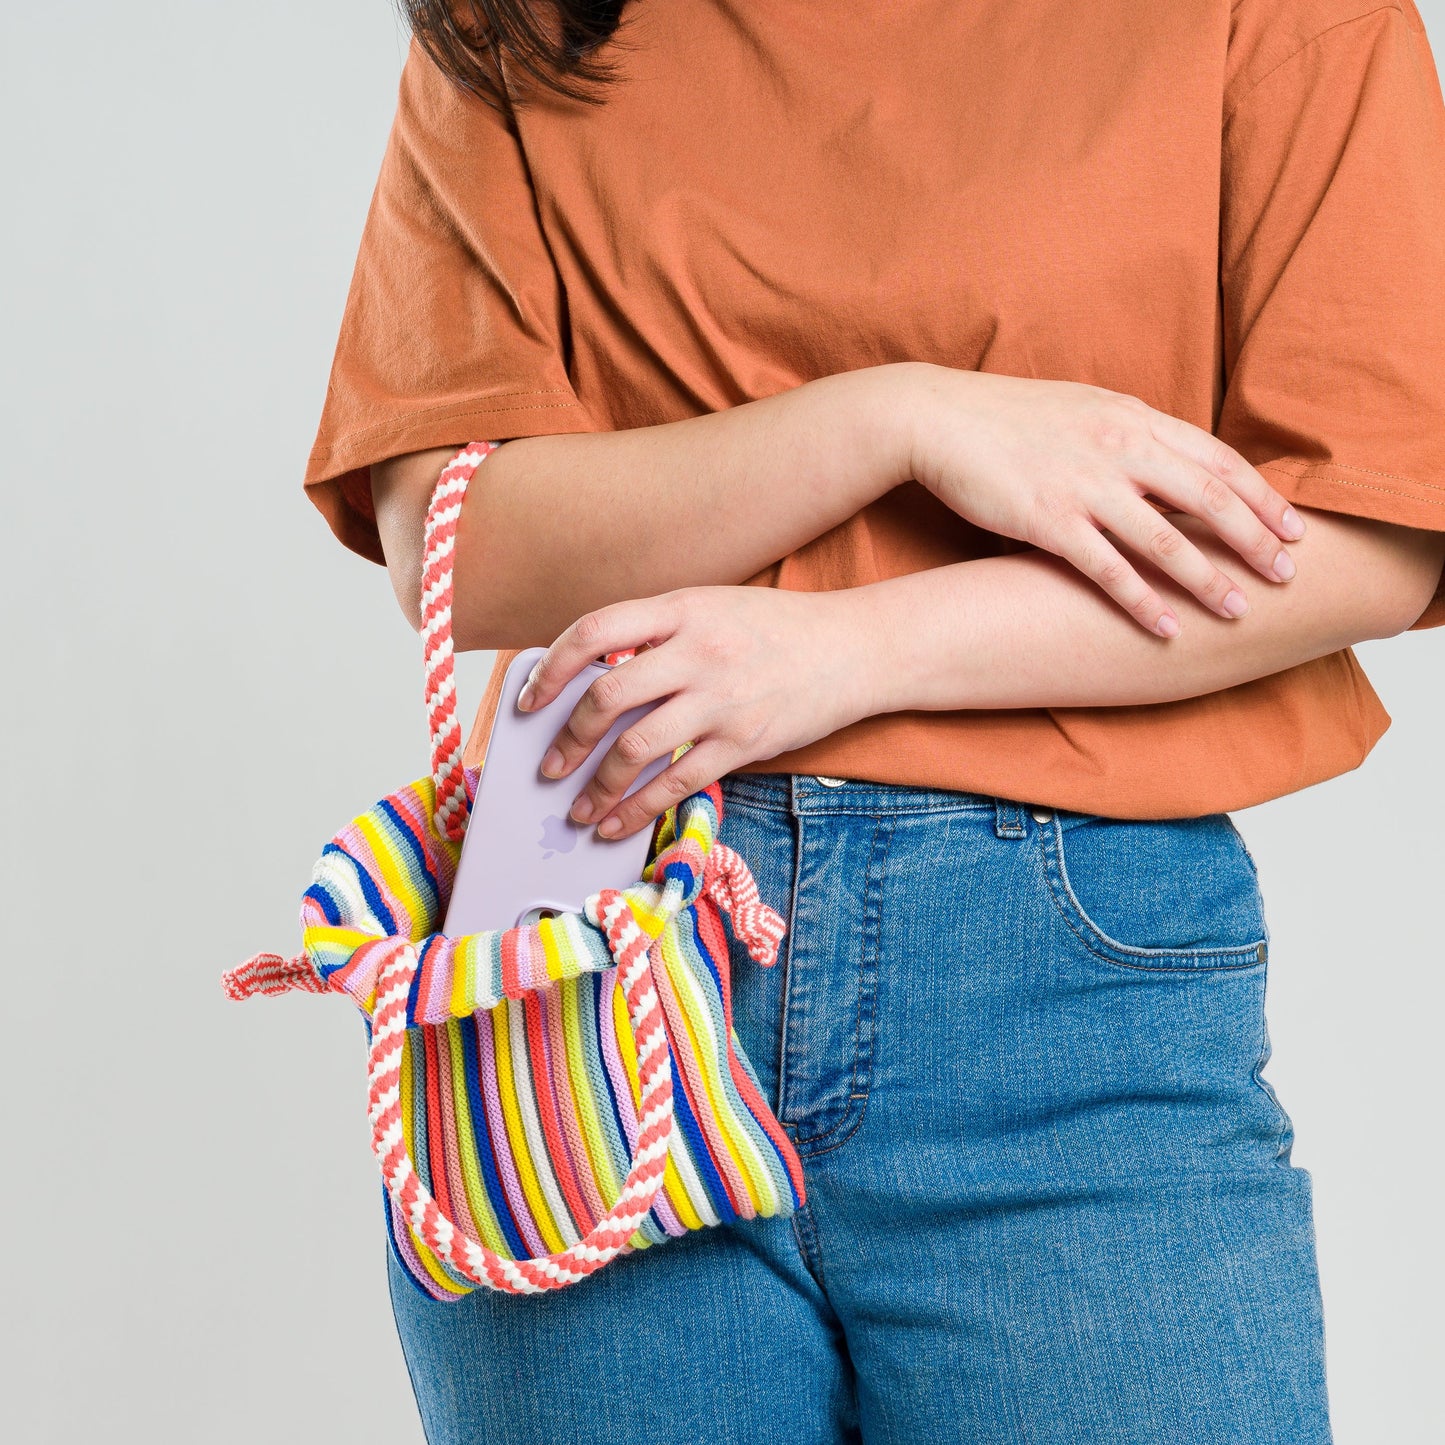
697 1146
482 1139
597 1006
402 828
712 969
369 890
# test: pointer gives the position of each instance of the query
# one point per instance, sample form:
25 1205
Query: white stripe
532 1125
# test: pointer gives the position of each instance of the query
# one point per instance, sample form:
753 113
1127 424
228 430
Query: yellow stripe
622 1027
477 1200
394 871
552 957
329 935
672 1182
515 1132
686 989
465 960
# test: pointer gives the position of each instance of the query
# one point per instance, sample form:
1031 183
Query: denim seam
1098 943
856 1119
872 909
805 1236
1283 1124
785 1001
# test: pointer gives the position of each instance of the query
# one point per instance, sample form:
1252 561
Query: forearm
556 526
1028 630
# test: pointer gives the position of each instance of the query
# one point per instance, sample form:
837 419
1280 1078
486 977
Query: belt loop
1008 818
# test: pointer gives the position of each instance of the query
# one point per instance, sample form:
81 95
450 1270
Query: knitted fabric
543 1098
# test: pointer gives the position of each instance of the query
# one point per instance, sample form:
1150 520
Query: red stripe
511 976
435 1147
557 1152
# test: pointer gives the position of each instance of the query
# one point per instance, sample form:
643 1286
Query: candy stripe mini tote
542 1098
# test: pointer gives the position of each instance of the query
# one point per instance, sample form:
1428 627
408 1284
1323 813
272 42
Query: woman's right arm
555 526
564 525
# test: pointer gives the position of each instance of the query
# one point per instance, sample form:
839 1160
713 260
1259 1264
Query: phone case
522 854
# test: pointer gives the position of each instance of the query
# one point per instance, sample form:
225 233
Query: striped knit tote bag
542 1098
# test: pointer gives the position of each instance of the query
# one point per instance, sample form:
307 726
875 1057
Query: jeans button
1041 814
830 782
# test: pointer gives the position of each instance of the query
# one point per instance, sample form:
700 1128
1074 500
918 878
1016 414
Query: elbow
1369 579
1410 577
401 491
406 584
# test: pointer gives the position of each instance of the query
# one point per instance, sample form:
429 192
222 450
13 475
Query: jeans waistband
801 793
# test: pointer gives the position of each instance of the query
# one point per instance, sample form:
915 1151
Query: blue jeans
1050 1196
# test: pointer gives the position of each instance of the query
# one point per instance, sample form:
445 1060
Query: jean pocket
1174 893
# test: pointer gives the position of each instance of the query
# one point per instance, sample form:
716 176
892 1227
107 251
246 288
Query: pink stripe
694 1088
435 992
617 1072
461 1205
566 1104
497 1123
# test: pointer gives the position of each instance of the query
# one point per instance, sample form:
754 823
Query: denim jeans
1050 1198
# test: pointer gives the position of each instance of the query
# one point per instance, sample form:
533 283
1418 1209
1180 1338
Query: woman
921 390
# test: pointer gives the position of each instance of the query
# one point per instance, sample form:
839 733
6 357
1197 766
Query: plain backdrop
201 685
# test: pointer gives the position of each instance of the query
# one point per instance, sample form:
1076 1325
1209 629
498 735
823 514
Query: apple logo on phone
558 835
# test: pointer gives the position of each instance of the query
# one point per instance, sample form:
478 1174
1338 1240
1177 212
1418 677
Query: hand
1056 463
747 672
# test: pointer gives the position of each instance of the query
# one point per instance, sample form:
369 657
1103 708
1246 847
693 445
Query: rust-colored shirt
1234 211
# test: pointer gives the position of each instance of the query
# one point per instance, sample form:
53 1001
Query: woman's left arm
1029 630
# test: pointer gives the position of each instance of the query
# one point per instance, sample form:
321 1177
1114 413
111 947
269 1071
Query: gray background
203 685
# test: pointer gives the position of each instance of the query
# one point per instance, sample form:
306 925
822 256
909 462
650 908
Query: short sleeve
454 323
1332 262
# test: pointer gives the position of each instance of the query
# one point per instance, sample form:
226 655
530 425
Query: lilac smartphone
522 855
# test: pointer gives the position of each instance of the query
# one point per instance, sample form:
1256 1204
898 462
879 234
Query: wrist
929 399
863 420
867 633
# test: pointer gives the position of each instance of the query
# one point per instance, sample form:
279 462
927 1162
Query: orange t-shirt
1233 211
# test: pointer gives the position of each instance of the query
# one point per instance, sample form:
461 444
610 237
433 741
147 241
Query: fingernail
1284 566
582 808
524 698
608 826
1168 626
552 762
1293 522
1234 603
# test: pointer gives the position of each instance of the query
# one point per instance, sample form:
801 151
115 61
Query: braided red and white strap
436 631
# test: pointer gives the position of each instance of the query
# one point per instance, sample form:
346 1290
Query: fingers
1151 534
607 629
640 679
1080 542
1190 487
703 763
658 734
1190 471
1218 459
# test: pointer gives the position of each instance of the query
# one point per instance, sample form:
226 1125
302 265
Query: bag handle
606 1239
439 554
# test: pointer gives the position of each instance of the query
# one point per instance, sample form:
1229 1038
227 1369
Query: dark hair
552 40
